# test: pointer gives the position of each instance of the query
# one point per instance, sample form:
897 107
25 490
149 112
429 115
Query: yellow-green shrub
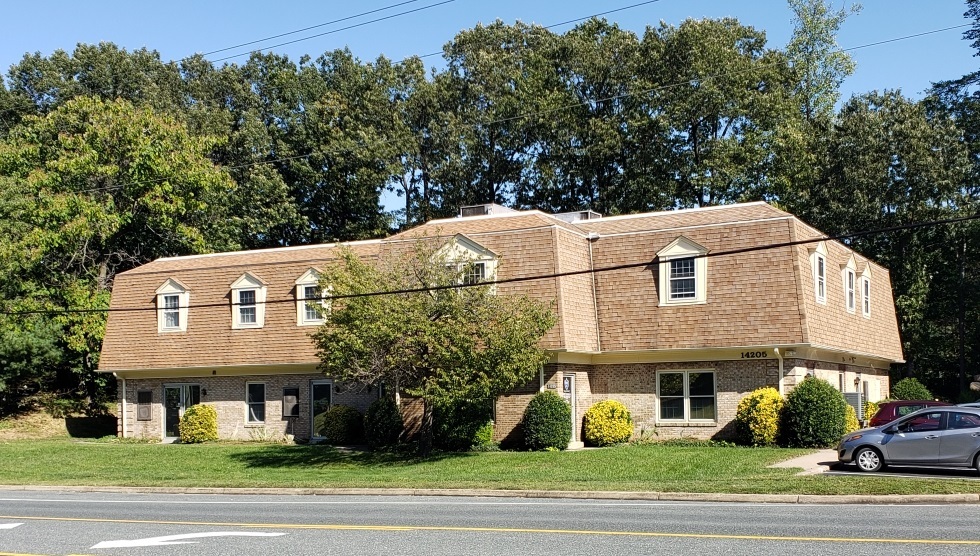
608 422
757 417
199 424
851 423
870 408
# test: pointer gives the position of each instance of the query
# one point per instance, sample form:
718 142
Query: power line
355 16
339 30
626 266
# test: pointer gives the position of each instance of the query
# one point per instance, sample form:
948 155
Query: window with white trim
248 302
818 263
173 299
866 296
683 271
849 290
311 304
686 396
255 402
472 262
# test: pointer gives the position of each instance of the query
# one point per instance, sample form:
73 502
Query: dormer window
683 270
173 299
310 302
248 302
850 286
473 262
818 260
866 292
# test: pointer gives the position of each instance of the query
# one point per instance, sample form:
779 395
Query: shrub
608 422
483 439
341 424
547 422
814 415
457 421
199 424
870 408
757 417
851 423
910 389
383 423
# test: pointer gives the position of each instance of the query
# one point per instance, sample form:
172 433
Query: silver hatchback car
947 436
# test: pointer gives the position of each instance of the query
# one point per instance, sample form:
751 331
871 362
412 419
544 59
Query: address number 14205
755 354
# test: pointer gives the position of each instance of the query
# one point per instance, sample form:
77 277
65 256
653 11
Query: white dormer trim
865 295
818 265
170 291
305 317
251 313
849 278
469 256
681 261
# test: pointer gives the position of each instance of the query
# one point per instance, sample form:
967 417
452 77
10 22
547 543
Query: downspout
123 403
780 357
593 237
541 378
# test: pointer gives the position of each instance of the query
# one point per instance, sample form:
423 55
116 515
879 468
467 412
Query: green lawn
628 468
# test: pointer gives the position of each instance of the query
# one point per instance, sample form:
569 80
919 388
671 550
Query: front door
176 399
319 404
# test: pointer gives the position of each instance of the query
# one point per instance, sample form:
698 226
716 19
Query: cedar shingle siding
613 334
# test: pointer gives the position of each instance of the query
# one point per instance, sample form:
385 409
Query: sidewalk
812 464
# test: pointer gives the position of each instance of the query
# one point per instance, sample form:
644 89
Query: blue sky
181 27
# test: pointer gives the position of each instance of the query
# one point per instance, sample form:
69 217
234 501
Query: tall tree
891 164
92 189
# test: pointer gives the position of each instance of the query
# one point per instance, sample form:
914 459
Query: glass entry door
176 399
319 404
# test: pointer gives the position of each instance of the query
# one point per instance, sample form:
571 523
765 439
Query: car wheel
868 459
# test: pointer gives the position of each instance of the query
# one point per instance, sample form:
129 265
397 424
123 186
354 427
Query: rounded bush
851 423
199 424
814 415
383 423
910 389
757 417
341 424
547 422
608 422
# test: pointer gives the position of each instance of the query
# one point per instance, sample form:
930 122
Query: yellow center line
341 527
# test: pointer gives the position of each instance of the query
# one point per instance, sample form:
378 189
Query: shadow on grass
91 427
325 456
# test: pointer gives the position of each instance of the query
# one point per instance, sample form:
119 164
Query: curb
813 499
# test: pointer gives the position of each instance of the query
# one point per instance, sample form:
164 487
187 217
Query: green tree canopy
440 344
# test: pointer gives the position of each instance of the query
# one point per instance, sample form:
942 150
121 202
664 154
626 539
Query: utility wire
338 30
640 264
541 113
355 16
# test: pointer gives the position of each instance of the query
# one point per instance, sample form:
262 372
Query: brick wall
227 395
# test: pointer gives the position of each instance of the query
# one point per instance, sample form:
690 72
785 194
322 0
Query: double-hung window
820 273
171 311
683 282
474 273
246 308
311 308
850 290
255 402
686 396
866 296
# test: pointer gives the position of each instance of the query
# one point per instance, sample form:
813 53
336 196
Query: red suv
889 411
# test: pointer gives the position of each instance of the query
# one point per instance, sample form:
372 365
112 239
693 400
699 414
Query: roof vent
578 215
482 210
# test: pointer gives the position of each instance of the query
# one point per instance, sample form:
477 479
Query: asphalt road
51 523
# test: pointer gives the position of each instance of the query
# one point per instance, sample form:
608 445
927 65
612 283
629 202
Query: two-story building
677 314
